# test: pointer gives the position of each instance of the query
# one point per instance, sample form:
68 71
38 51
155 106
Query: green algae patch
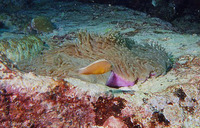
42 24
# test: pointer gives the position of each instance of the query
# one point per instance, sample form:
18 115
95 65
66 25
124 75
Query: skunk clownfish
98 67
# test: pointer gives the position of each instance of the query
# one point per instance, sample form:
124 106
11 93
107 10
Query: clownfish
98 67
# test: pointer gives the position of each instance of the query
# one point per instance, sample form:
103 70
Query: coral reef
130 61
44 99
18 49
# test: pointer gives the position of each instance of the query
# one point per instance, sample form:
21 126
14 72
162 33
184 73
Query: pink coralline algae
53 109
113 122
23 104
106 107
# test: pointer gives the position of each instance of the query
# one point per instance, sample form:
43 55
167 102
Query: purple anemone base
115 80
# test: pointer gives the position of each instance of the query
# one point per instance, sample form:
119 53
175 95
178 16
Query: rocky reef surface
30 100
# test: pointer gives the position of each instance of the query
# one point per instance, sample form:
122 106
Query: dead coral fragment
129 60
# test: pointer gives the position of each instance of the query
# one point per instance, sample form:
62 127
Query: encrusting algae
125 61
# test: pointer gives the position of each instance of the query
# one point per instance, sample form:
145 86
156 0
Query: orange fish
98 67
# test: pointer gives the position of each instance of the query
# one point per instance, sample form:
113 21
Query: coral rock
113 122
42 24
29 100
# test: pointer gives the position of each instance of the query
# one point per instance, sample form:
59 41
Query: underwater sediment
131 62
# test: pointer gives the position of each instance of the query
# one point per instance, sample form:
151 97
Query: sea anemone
130 61
18 49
